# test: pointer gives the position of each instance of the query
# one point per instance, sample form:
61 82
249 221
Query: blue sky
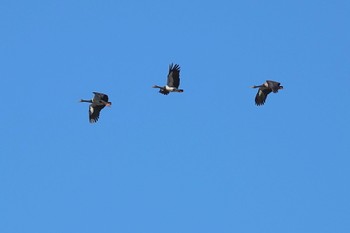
206 160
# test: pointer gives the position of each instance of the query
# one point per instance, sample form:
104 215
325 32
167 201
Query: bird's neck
87 101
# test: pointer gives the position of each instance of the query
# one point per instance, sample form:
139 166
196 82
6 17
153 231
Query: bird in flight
99 101
265 89
173 82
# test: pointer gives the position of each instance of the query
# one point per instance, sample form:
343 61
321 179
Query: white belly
170 88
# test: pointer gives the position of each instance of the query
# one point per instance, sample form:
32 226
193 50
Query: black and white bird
265 89
99 101
173 81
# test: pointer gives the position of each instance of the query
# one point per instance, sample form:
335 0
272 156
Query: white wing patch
91 110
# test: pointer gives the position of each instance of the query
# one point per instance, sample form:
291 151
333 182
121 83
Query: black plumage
265 89
173 81
99 101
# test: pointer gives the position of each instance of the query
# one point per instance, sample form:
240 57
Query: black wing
100 96
174 76
275 86
94 112
261 96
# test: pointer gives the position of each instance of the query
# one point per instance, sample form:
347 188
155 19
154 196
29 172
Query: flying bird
99 101
265 89
173 81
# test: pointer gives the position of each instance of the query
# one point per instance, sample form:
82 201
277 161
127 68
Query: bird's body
173 81
99 101
265 89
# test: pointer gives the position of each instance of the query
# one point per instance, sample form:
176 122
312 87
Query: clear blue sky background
207 160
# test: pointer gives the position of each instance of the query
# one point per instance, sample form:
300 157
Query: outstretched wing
273 85
174 76
94 112
100 96
261 96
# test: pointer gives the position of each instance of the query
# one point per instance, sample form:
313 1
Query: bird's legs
108 104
